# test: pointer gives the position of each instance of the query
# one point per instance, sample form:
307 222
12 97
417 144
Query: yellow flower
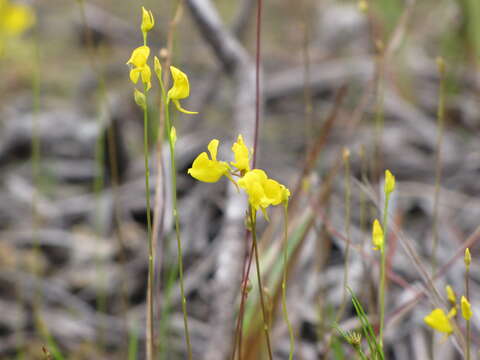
437 320
144 72
389 182
180 89
466 308
147 21
139 56
209 170
241 153
262 191
138 60
451 296
15 19
377 236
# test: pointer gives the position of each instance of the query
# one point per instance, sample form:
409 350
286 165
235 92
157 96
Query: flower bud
140 99
468 257
147 20
173 136
377 236
466 308
157 67
389 182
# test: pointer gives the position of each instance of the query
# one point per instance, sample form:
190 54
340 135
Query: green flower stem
172 273
177 227
266 330
382 289
469 331
150 341
284 284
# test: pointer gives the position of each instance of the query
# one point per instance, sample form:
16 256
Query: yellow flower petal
466 308
377 236
181 88
179 108
134 75
208 170
451 296
241 153
146 74
262 191
437 320
139 56
213 148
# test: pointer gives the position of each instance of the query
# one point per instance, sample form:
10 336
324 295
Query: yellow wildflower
466 308
209 170
180 89
451 296
389 182
262 191
377 236
437 320
138 60
144 72
15 19
241 153
139 56
147 20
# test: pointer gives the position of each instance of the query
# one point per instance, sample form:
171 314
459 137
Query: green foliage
373 344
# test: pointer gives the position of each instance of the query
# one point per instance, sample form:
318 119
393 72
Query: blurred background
368 76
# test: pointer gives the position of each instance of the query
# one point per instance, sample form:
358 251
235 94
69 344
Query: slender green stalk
438 159
469 330
177 229
133 345
150 330
284 283
383 286
266 330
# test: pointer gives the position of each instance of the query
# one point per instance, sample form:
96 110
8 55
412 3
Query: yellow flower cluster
141 70
440 321
14 20
260 189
